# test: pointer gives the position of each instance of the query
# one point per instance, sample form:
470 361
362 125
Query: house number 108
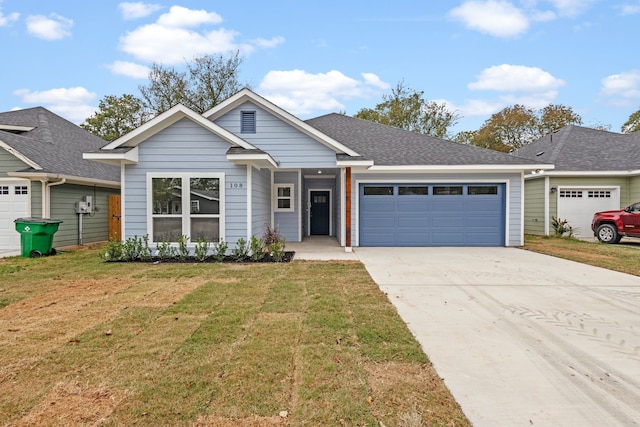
235 185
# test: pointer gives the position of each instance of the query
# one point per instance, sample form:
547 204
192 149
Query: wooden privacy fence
114 217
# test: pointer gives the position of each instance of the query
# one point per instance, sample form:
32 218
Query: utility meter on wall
85 206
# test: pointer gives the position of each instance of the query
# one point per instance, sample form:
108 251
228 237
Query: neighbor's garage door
14 203
577 206
432 215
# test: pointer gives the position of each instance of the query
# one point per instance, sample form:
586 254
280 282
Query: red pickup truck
611 226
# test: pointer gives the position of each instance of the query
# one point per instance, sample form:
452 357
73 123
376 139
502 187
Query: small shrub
271 235
220 250
183 249
135 248
241 251
258 250
277 250
201 250
561 227
165 250
112 251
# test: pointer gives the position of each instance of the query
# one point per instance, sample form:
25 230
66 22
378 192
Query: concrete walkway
521 339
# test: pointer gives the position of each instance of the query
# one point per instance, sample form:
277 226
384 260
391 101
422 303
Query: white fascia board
16 128
166 119
460 168
9 149
114 158
247 95
69 179
587 173
264 160
354 163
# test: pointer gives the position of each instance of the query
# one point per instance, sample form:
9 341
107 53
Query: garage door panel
432 220
14 203
577 206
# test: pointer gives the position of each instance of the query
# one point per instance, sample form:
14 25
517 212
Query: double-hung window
283 198
186 204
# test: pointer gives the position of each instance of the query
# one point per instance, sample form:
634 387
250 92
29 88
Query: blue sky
313 58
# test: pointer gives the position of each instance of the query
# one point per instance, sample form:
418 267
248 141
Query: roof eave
355 163
558 173
129 157
462 168
9 149
260 160
69 179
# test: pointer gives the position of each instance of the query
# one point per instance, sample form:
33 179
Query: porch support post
347 245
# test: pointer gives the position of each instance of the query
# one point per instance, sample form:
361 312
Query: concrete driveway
521 339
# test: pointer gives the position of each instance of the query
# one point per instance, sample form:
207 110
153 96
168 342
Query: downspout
43 196
47 213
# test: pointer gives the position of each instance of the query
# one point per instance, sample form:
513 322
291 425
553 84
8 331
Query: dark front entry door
320 213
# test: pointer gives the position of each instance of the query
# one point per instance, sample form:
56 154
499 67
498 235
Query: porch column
347 244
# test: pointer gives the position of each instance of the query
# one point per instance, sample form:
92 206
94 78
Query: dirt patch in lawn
247 422
399 389
72 404
35 326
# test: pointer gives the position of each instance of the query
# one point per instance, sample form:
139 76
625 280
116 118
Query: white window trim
186 201
291 207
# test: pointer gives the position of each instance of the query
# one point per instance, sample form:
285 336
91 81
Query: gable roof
51 145
390 146
246 95
577 148
166 119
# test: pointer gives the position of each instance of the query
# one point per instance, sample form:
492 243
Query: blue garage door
432 214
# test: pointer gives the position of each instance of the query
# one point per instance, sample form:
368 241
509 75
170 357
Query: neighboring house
43 175
364 183
594 171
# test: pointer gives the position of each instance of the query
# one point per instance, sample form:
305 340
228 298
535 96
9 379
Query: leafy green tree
406 108
632 124
553 117
518 125
116 116
208 81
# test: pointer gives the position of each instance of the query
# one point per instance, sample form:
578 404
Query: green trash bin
36 236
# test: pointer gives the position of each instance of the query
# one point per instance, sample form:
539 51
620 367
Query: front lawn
304 343
622 257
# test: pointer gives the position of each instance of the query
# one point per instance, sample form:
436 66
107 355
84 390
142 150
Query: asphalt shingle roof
55 144
577 148
387 145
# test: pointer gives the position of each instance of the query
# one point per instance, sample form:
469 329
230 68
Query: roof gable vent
247 122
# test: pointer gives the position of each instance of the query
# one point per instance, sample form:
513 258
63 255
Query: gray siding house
43 175
595 170
363 183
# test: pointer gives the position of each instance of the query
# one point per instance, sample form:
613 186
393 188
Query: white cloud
302 93
273 42
180 17
137 10
70 103
623 90
155 43
375 81
571 7
173 38
515 78
630 9
129 69
53 27
493 17
7 19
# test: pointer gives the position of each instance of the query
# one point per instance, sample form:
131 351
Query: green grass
86 342
621 257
